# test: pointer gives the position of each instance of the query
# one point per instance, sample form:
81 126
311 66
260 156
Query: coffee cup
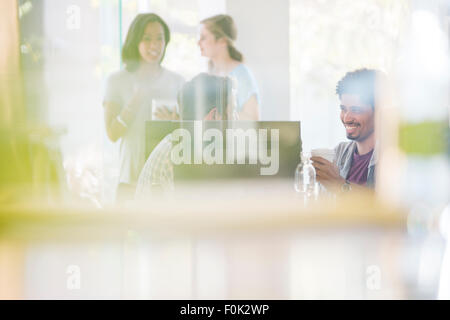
171 106
327 154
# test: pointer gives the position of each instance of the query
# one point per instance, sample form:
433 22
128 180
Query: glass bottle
234 103
305 178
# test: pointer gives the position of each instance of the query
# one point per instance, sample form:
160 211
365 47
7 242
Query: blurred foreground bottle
413 129
30 161
305 178
414 122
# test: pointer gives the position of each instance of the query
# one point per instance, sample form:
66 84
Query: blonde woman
216 42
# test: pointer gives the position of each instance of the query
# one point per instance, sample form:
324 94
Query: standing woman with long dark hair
217 37
129 94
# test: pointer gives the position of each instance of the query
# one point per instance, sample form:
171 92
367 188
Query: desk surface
227 241
202 209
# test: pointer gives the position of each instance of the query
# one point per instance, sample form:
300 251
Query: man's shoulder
343 153
344 146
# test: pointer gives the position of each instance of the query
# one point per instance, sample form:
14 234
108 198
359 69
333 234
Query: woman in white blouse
130 91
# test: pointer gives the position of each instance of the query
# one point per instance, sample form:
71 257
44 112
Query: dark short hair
203 93
130 50
360 82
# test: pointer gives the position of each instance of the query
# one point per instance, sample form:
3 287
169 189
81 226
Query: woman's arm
117 119
114 129
250 110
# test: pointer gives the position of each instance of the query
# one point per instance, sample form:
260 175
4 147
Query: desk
224 241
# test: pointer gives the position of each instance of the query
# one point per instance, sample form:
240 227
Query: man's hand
327 173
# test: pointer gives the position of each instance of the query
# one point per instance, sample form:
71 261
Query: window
69 49
328 39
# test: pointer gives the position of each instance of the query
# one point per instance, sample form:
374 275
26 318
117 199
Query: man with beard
355 160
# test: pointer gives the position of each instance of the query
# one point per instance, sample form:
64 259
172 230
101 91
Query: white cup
172 105
327 154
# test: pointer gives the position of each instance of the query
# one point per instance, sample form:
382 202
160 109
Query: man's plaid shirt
157 172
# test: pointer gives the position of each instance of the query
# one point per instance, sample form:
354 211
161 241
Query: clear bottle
234 103
305 178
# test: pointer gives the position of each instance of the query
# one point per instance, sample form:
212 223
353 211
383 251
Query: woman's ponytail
235 54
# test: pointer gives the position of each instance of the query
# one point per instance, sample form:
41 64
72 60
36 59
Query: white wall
208 8
263 38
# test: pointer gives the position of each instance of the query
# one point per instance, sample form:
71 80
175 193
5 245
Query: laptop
224 150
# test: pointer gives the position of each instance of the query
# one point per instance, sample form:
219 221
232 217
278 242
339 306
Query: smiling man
355 160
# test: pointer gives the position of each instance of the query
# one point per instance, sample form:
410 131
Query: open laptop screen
208 150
